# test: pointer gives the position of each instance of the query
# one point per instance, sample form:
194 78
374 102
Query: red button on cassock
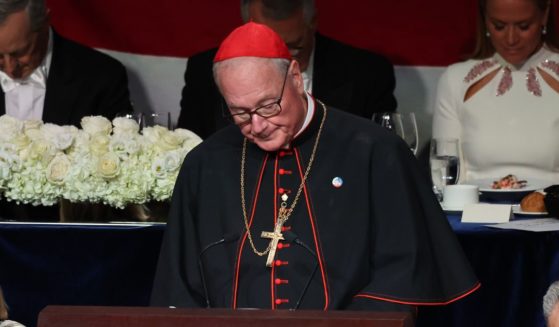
281 263
281 301
283 245
281 281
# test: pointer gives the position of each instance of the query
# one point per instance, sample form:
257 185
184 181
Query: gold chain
284 213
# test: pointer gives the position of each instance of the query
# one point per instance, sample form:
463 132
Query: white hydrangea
111 163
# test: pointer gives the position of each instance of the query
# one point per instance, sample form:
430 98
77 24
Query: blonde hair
3 307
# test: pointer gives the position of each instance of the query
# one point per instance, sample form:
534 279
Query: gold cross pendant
274 237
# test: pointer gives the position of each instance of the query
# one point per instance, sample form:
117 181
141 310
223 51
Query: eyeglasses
265 111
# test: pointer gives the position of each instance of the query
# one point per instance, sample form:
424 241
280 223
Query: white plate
507 195
518 211
450 209
532 184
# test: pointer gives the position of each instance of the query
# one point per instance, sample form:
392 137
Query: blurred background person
47 77
550 307
354 80
502 103
44 76
4 322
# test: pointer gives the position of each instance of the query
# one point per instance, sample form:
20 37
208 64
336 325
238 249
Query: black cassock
368 230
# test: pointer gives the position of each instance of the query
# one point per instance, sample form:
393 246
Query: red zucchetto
252 40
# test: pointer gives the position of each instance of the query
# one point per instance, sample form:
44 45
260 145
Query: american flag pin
337 182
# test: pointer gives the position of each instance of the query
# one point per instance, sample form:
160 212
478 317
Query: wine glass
135 116
157 118
403 124
444 159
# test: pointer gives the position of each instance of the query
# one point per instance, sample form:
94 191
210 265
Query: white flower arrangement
110 163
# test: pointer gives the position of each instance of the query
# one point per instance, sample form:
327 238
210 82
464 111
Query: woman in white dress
503 104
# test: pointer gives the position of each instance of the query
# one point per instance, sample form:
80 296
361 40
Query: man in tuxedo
47 77
342 76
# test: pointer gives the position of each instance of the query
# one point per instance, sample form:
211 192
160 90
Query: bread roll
533 202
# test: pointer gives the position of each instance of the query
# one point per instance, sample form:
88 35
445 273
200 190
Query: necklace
284 212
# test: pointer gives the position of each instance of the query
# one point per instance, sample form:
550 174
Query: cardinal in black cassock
340 217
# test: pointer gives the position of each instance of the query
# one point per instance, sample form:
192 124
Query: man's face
21 49
515 28
295 32
249 83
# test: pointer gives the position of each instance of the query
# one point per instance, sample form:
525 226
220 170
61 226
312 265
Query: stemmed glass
157 118
444 159
403 124
138 117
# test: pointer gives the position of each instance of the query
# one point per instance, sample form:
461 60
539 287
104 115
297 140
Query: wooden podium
90 316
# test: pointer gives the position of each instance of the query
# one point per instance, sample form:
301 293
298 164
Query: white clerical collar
307 74
38 77
310 112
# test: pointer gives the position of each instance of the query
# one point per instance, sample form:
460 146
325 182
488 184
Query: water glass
444 159
157 119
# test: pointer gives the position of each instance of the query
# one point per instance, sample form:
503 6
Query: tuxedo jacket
354 80
81 82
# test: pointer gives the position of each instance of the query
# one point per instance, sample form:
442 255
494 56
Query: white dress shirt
307 74
25 98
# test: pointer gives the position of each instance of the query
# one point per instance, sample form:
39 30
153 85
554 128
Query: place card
487 213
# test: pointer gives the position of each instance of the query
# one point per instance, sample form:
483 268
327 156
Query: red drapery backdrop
410 32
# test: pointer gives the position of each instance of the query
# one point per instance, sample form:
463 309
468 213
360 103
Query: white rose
34 134
10 127
32 124
186 134
172 161
108 165
153 134
82 141
58 168
21 141
61 136
191 143
166 163
123 145
99 144
41 150
124 125
96 124
163 139
170 140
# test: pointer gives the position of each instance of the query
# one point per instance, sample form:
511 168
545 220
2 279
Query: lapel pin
337 182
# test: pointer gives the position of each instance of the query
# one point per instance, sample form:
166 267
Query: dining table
113 264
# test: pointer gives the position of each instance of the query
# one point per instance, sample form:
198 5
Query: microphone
227 238
291 237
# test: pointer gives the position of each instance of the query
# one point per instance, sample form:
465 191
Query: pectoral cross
274 237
